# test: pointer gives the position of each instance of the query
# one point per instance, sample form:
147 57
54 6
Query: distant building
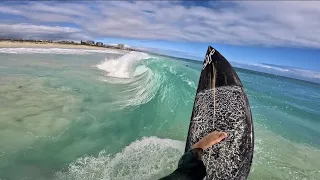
99 43
121 46
90 42
65 42
108 46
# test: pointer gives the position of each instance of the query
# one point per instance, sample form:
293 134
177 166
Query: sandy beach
15 44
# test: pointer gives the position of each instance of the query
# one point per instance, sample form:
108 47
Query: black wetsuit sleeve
189 168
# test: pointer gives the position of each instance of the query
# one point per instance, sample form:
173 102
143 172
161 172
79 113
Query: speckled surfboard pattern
222 105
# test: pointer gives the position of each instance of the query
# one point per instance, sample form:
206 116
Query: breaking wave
136 83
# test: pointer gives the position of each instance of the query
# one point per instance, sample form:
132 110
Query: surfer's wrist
197 146
198 152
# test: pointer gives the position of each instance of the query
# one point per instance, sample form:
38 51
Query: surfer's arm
190 167
197 152
190 164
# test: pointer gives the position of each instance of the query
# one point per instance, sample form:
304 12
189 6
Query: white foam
172 70
189 82
56 51
122 67
148 158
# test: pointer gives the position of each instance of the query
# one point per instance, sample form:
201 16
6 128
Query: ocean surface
99 114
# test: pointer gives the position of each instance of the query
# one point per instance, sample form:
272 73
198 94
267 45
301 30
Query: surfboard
222 105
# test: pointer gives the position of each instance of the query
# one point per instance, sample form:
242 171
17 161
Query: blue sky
249 32
298 57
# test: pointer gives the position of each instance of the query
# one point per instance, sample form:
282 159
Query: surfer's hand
209 140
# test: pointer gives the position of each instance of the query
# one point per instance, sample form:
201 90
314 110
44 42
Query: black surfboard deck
222 105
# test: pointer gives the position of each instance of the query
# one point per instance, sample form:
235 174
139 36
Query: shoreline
15 44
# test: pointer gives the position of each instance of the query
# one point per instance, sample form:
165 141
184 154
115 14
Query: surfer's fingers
223 134
218 134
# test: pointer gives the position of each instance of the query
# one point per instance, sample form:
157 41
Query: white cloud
41 32
297 73
269 23
9 10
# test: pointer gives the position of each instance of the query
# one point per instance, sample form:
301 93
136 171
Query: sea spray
148 158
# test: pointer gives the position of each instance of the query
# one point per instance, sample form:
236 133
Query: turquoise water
65 114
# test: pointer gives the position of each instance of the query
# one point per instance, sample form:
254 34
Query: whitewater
86 114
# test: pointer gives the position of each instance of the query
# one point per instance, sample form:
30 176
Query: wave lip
122 67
